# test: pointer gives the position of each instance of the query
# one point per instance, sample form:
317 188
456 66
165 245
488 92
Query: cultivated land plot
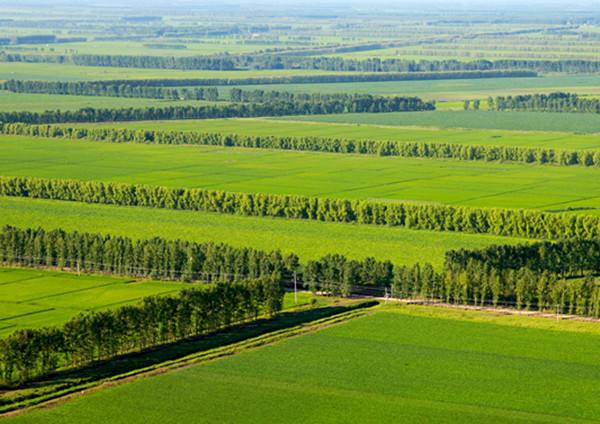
440 366
308 239
525 121
31 298
57 72
295 126
12 102
34 298
453 90
467 183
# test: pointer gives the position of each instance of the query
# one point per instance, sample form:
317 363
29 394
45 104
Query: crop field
411 314
308 239
37 298
524 121
33 298
454 90
291 126
66 72
11 102
316 174
449 366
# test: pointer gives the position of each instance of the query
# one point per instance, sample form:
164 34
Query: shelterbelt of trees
541 156
544 276
553 102
291 61
505 222
33 353
231 110
104 85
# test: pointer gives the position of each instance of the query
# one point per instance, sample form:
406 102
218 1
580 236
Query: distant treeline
360 103
553 102
504 222
354 102
79 88
324 63
434 150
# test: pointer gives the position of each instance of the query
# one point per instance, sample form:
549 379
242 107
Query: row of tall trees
553 102
224 62
231 110
157 320
79 88
505 222
542 156
155 258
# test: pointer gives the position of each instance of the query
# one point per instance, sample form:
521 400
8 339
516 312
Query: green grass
56 72
452 90
293 126
11 102
35 298
308 173
308 239
524 121
396 365
31 298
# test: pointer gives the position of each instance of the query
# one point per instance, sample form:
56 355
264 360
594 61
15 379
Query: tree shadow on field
44 388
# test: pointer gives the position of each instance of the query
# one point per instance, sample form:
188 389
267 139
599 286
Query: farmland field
447 365
66 72
307 173
524 121
37 298
10 102
308 239
409 307
292 126
452 90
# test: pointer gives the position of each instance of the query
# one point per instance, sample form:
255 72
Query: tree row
541 156
154 321
505 222
235 110
553 102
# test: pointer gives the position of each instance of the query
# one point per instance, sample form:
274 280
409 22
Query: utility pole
557 315
295 289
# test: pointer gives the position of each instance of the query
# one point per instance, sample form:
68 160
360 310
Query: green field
56 72
316 174
12 102
308 239
400 364
524 121
292 126
31 298
452 90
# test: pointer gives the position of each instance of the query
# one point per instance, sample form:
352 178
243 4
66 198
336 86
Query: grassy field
56 72
34 298
31 298
401 364
524 121
11 102
308 239
291 126
308 173
452 90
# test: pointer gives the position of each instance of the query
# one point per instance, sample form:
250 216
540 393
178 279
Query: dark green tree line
230 110
157 320
553 102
